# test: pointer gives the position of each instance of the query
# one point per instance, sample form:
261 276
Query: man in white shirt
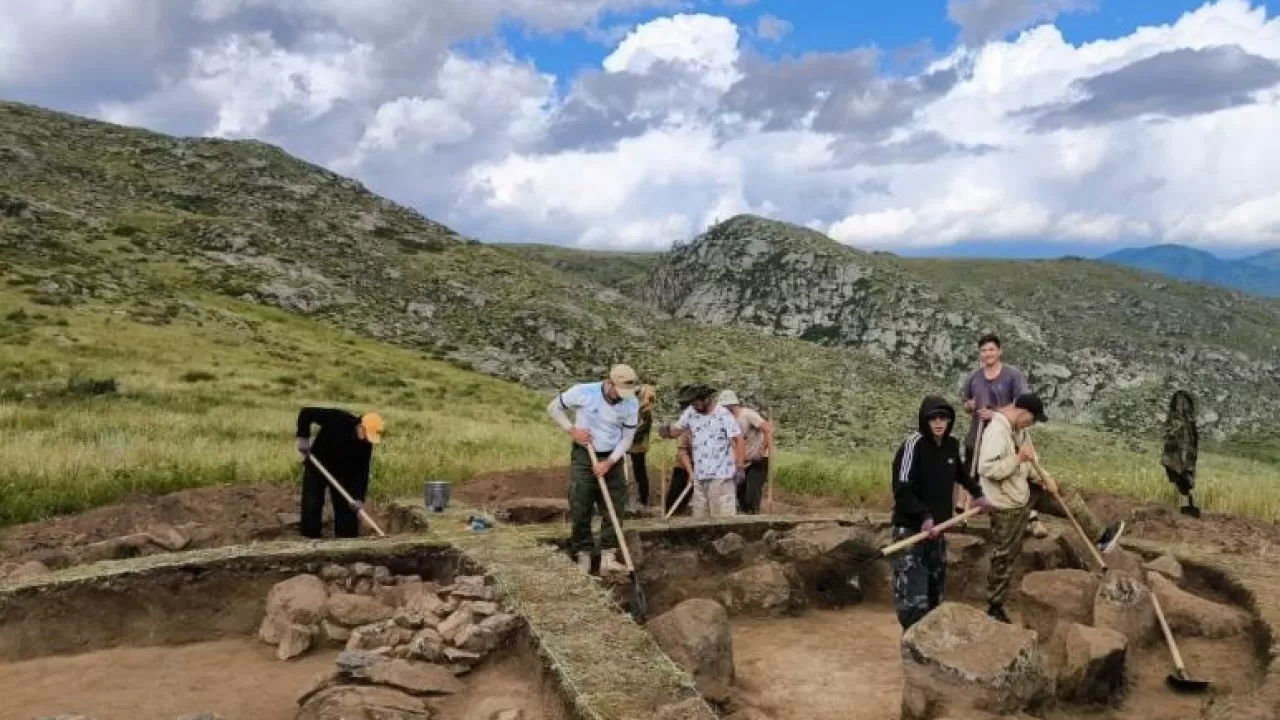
719 454
757 435
605 415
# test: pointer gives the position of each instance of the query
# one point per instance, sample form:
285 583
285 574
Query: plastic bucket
436 494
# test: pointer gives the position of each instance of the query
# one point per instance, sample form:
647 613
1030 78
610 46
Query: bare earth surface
234 678
846 665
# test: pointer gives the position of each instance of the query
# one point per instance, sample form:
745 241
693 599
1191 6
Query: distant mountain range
1257 274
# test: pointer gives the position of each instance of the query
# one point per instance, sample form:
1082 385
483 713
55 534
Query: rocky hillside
1105 345
97 213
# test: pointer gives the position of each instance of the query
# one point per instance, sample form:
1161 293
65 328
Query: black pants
346 523
679 481
752 487
641 472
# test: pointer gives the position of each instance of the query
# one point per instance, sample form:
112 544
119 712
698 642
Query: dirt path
238 679
846 665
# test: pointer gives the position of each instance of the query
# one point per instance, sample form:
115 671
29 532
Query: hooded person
1181 447
606 414
344 446
927 468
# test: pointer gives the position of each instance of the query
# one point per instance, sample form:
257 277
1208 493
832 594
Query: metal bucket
436 494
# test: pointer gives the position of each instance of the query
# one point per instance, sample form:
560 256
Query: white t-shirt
712 441
605 421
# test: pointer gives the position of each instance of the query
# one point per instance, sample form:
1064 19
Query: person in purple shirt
992 386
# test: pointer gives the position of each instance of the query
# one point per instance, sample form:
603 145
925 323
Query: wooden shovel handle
350 500
1168 634
940 527
1093 549
608 503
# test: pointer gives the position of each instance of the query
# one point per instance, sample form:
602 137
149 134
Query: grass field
96 403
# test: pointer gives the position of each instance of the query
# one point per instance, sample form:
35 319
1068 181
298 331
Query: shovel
638 606
350 500
1179 680
1089 542
683 494
856 551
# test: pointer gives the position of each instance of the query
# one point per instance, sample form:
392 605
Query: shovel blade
638 605
1184 683
1190 511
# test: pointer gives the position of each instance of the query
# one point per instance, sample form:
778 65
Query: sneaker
996 612
609 563
584 562
1110 537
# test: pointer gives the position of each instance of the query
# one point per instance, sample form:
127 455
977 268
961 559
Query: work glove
304 446
928 528
982 503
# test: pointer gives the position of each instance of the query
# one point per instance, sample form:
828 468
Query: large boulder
1123 604
765 586
1092 670
1194 616
293 606
1052 600
697 636
956 660
351 610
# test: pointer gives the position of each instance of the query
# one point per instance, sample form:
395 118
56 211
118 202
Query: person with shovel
344 447
1005 461
993 385
926 469
676 501
757 434
719 453
638 453
605 415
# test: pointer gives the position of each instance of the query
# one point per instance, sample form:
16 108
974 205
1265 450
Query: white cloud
1026 138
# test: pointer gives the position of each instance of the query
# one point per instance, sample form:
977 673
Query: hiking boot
584 562
1110 537
609 563
996 612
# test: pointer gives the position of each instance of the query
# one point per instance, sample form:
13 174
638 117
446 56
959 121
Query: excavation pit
174 636
805 645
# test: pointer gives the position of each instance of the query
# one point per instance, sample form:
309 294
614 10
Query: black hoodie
337 446
925 471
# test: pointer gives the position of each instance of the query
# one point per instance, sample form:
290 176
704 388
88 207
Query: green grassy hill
170 303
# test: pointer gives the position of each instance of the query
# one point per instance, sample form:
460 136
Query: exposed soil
847 664
238 678
1163 522
208 517
507 681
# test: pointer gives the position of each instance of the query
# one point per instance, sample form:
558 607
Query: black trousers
751 489
640 469
679 481
346 523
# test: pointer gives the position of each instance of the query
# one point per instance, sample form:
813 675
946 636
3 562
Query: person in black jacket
344 446
926 469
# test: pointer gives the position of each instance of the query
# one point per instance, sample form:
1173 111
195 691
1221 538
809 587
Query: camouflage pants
716 497
1007 531
919 576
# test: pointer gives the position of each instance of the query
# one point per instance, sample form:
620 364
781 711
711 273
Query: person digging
927 468
1181 448
1005 462
719 453
605 416
677 500
344 447
638 453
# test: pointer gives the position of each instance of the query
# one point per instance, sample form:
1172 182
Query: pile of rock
364 607
1080 630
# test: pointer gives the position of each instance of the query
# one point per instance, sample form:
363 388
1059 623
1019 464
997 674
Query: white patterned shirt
712 441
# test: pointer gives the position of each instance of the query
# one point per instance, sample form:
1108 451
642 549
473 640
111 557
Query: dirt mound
1163 522
498 487
202 517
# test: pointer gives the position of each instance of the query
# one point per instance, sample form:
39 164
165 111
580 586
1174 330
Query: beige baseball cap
625 380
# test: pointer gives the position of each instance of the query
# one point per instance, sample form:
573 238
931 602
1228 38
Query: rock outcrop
697 636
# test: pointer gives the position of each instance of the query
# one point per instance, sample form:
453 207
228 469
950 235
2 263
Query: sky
953 127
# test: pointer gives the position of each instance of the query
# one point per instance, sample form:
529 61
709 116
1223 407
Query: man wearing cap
605 415
1004 468
344 446
757 435
719 454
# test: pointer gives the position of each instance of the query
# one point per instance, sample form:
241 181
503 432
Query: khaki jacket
1005 480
